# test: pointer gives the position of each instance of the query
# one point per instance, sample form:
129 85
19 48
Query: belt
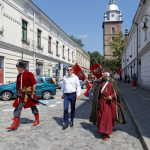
70 93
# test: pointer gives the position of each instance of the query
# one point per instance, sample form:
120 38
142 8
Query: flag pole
97 62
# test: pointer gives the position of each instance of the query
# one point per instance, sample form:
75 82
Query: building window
139 38
112 38
113 30
49 45
56 48
72 57
39 38
68 54
134 47
24 30
63 51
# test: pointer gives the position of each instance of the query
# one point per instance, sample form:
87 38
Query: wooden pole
95 60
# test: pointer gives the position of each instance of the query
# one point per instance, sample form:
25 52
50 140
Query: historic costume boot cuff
15 124
36 120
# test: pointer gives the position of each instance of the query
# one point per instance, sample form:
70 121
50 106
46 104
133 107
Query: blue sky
84 18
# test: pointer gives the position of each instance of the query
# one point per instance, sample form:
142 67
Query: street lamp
145 27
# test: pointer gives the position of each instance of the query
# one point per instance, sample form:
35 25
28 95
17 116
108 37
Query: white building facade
27 33
83 59
136 54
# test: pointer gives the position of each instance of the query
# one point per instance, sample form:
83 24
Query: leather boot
36 120
15 124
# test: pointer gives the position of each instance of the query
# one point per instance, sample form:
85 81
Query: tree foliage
116 46
78 41
99 58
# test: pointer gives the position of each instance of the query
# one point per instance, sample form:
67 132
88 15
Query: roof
112 7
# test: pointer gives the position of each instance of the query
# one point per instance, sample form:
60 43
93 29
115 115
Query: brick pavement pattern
48 135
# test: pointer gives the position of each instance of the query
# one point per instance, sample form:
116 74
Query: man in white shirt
69 87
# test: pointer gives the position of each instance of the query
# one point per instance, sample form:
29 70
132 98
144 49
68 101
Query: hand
62 97
77 97
110 98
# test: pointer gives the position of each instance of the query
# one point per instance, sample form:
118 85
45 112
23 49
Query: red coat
107 111
88 88
25 83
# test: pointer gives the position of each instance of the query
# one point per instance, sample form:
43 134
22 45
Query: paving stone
48 135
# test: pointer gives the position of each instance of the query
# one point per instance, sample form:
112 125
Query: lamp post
145 21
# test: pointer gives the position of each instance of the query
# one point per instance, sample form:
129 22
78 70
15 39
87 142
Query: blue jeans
72 99
90 93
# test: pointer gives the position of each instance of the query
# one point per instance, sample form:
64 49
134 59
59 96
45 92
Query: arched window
112 38
113 30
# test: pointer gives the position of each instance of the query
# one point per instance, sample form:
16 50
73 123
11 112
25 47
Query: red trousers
134 83
106 116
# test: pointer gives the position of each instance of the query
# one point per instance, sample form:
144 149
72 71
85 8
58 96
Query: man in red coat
25 79
107 108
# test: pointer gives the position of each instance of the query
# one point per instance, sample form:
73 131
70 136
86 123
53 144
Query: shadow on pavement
58 120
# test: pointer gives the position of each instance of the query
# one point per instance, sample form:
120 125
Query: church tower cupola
112 25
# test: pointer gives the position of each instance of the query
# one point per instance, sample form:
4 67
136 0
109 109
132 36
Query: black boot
71 124
65 126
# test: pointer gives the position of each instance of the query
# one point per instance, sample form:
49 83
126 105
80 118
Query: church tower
112 25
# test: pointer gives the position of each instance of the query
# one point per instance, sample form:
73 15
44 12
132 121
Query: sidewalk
138 104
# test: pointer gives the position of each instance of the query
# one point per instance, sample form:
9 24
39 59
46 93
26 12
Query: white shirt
71 84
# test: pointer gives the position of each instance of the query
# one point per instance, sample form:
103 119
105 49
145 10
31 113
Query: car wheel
6 96
46 95
84 86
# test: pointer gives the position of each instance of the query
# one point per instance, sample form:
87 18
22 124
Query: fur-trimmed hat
21 64
106 69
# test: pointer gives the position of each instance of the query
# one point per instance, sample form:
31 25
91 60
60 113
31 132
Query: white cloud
83 35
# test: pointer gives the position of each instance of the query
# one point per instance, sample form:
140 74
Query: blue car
45 89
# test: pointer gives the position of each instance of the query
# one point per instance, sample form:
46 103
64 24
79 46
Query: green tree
116 46
99 58
78 41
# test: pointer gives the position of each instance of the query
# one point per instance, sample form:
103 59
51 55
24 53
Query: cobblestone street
48 135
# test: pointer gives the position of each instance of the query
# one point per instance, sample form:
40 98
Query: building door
1 70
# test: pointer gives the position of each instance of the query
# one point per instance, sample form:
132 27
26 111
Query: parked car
82 83
45 88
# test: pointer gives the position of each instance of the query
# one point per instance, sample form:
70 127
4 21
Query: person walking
104 110
128 79
69 86
24 79
134 81
90 82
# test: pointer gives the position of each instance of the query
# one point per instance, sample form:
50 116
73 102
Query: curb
142 135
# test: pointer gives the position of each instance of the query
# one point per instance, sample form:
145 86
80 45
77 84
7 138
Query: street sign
64 66
57 65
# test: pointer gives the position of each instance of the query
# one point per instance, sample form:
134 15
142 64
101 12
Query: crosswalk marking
52 105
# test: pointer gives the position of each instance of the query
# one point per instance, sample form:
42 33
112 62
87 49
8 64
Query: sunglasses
69 69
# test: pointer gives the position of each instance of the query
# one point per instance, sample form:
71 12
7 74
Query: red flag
78 72
96 70
119 70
